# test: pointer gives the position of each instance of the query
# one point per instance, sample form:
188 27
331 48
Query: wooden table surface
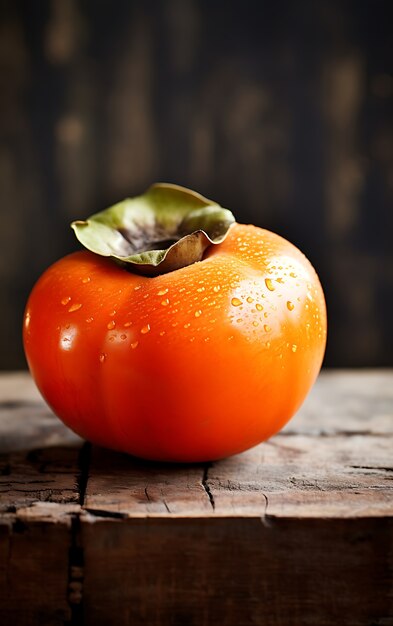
295 531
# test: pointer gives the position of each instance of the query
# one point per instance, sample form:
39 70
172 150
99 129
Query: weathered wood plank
307 476
34 572
297 530
47 475
26 422
238 572
301 476
123 486
39 501
333 459
347 402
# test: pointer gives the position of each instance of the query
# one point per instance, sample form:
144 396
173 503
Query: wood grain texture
126 487
239 572
34 572
298 530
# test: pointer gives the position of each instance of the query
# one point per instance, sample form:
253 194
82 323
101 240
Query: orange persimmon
194 364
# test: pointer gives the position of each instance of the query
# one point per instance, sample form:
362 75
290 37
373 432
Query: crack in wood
164 501
265 518
290 450
106 513
206 486
75 574
83 465
21 404
30 492
372 468
336 433
26 482
76 552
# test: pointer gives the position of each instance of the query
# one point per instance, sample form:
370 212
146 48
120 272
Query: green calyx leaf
164 229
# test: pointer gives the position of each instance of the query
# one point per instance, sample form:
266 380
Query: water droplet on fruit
145 329
269 284
216 288
294 347
236 302
127 324
134 345
267 328
165 302
290 305
198 313
66 300
89 320
259 307
249 300
255 324
27 319
187 325
74 307
162 292
86 280
102 357
112 313
111 325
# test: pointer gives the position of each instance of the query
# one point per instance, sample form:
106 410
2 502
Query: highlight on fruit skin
185 363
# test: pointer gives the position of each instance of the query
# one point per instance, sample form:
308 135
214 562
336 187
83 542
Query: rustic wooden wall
279 110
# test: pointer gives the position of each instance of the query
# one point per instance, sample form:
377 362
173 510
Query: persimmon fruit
195 364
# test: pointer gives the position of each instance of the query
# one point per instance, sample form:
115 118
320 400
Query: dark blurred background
281 111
